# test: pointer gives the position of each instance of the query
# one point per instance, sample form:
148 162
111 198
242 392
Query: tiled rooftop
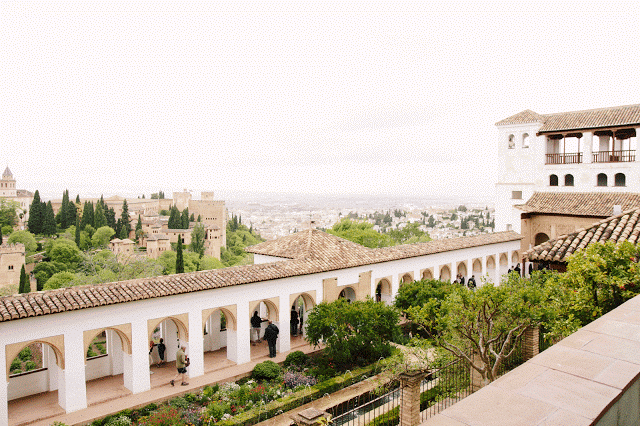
595 204
627 115
586 379
623 227
339 255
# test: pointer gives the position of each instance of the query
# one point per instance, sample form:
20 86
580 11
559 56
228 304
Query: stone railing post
531 342
310 417
410 399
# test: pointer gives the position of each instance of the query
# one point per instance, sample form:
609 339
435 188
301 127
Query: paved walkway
108 395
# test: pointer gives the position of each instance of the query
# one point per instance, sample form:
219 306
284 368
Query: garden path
108 395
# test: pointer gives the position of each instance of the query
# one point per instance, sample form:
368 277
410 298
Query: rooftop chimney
617 209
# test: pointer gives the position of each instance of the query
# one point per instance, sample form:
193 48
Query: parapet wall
7 248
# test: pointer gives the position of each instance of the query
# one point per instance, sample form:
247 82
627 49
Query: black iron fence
369 409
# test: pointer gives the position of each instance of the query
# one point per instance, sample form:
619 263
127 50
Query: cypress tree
25 286
61 217
184 219
126 223
99 219
77 198
118 228
71 212
110 214
199 218
179 259
138 228
87 214
174 218
49 227
192 218
78 232
36 215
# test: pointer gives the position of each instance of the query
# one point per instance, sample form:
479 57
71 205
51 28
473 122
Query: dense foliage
358 332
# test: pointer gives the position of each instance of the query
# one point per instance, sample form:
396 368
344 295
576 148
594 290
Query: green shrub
390 418
179 402
25 354
165 416
91 353
30 365
16 364
296 359
101 348
119 421
267 370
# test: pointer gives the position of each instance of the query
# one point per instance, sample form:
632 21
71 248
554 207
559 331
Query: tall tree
197 239
184 219
99 219
77 198
71 212
179 258
49 225
25 286
126 223
61 217
174 218
36 215
110 214
139 231
77 236
87 214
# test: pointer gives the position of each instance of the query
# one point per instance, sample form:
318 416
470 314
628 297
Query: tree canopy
361 233
24 237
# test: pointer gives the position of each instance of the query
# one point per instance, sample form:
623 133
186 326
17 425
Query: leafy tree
423 293
49 224
24 237
179 257
36 215
361 233
126 223
192 218
357 331
184 219
64 251
410 234
77 232
8 216
25 286
462 208
197 239
175 222
44 270
102 236
59 280
99 219
488 322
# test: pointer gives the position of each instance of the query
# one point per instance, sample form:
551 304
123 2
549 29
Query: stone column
243 344
4 391
196 344
531 342
75 389
284 338
588 147
410 399
136 366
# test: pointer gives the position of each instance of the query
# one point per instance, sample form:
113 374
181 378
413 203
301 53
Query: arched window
525 140
602 179
620 179
541 238
512 142
568 180
553 180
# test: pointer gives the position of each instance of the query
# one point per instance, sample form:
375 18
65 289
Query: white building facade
190 306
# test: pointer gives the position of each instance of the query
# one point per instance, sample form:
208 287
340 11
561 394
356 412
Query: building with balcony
561 172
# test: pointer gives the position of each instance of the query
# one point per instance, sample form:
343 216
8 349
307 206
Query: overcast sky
314 98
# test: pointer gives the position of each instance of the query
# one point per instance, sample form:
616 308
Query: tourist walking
472 282
161 350
294 321
256 324
271 335
182 362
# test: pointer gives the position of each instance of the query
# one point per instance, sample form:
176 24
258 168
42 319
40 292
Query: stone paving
108 395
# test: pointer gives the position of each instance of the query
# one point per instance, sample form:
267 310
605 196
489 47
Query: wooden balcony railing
625 156
572 158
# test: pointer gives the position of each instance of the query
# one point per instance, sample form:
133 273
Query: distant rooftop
596 204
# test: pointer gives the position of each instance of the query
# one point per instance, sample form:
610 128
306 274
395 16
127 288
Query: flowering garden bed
270 391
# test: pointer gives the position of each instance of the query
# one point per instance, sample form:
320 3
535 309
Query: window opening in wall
568 180
620 179
11 267
516 195
602 179
553 180
512 142
525 140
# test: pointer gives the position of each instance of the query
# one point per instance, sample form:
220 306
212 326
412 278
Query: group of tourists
182 360
270 333
471 283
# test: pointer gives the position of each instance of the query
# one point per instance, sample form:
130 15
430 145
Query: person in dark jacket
271 335
256 324
161 350
294 321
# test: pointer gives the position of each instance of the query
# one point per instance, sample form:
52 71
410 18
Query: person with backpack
271 335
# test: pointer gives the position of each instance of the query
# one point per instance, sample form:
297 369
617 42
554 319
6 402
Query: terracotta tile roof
625 226
340 257
627 115
526 116
596 204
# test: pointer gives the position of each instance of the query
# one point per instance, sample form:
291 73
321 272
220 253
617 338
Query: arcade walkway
108 395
